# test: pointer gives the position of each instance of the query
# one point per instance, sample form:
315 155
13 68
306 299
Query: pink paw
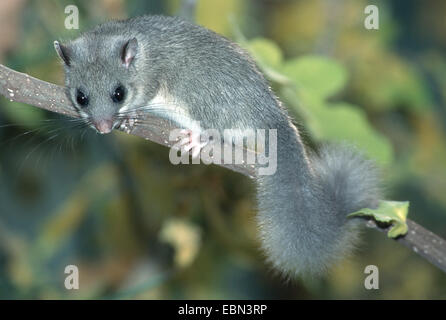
191 141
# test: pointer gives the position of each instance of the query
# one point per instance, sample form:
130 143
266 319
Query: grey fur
307 235
303 206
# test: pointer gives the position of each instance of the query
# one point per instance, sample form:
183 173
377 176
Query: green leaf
265 52
389 212
306 83
320 75
269 57
345 122
339 122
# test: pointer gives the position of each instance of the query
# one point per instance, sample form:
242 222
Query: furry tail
303 222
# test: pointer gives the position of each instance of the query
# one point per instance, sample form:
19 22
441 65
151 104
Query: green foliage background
139 227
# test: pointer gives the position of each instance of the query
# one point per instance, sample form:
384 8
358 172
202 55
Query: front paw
127 124
191 140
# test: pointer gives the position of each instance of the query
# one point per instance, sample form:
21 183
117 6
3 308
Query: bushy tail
303 217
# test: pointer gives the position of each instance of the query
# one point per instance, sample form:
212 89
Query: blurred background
138 227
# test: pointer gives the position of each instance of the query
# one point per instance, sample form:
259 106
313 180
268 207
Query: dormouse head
101 77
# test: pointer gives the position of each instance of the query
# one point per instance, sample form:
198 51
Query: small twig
421 241
21 87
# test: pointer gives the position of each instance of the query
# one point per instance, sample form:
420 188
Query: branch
21 87
423 242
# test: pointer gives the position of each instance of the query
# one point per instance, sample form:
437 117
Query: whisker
33 150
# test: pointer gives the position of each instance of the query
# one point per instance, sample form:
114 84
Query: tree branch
21 87
421 241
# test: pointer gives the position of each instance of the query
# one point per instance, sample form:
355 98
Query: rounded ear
128 52
63 52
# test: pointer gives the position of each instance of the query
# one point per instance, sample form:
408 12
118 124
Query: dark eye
81 98
119 94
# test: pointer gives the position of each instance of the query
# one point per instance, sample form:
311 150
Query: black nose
104 126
